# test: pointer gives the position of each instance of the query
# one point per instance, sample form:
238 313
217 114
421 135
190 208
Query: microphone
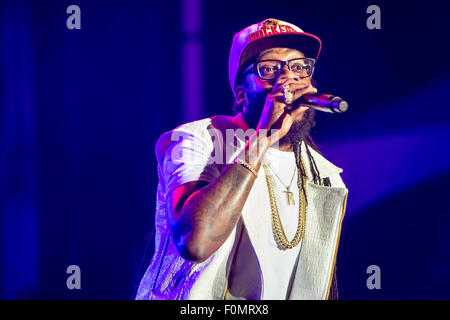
323 102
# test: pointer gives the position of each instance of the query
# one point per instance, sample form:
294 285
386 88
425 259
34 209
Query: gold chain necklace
276 220
289 194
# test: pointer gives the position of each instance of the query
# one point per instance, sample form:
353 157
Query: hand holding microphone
288 99
279 114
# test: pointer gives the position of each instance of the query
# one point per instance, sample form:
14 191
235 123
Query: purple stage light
192 62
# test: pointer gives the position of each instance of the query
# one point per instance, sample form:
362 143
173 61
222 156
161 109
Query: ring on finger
288 97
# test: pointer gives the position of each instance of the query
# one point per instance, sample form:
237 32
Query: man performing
255 215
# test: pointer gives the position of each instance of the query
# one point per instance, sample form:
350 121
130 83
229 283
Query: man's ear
240 95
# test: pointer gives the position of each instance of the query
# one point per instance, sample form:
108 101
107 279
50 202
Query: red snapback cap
270 33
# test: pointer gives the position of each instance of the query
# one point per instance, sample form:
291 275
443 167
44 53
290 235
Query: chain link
276 220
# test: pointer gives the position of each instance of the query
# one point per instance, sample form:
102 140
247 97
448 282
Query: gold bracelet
246 165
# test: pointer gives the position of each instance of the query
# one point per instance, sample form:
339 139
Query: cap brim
309 44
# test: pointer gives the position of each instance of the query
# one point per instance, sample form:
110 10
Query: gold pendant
289 197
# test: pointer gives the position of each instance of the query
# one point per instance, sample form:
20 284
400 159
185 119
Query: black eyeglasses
271 69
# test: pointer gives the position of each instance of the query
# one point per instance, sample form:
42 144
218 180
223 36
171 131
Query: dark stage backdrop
81 110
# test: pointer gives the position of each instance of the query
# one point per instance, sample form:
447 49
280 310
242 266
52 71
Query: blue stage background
81 111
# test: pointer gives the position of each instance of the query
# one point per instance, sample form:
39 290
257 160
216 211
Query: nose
287 74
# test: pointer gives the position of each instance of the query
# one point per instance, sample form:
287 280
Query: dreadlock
301 133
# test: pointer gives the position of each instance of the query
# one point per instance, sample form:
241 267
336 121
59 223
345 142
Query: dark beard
301 129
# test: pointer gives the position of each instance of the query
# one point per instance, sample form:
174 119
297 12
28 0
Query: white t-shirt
281 261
